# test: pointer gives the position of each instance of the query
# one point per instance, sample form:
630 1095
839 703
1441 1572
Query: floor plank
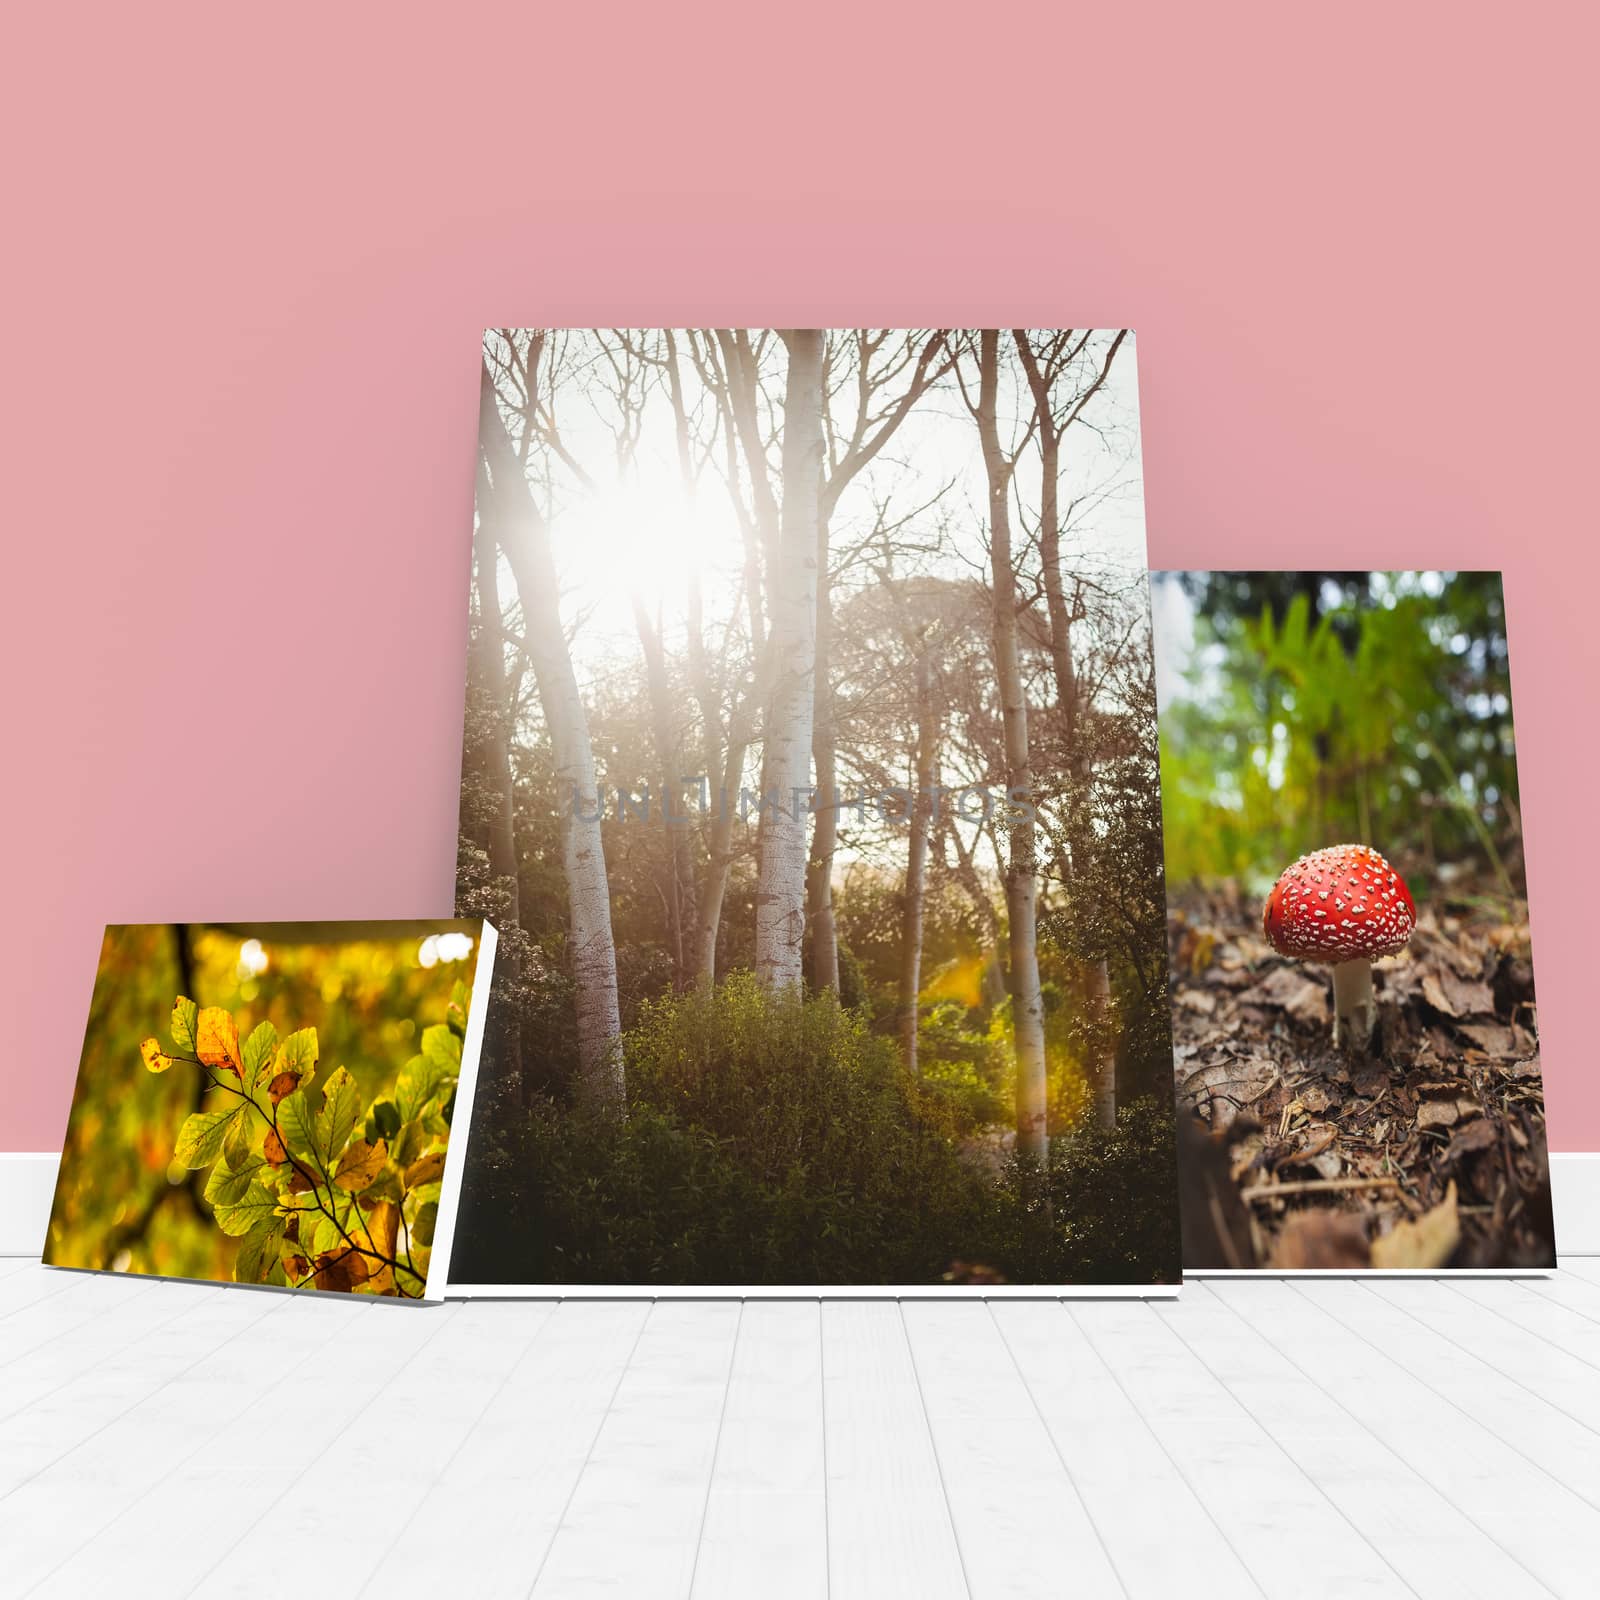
1512 1500
1296 1539
1435 1548
1256 1437
1019 1519
1127 1478
652 1462
890 1531
766 1522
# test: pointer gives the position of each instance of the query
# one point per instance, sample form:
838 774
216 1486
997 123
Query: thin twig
1318 1186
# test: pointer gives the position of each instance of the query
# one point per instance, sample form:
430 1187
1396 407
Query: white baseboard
28 1181
1575 1190
27 1186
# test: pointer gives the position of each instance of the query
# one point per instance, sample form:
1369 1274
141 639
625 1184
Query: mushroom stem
1353 1010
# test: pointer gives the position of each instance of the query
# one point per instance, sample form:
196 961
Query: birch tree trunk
491 652
1027 1004
668 754
1103 1063
1097 973
786 759
920 821
521 531
825 834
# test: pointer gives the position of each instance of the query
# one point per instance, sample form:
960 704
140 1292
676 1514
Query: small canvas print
273 1103
1355 1031
809 770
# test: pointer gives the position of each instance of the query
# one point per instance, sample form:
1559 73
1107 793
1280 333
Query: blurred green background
122 1202
1303 709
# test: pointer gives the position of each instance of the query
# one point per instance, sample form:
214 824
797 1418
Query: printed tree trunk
825 833
521 532
503 1042
668 756
1041 378
786 757
491 661
1021 878
920 821
865 438
727 366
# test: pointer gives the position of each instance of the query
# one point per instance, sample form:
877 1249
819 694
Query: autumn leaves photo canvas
810 773
1355 1026
274 1104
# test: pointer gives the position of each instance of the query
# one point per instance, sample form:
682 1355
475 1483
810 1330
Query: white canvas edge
810 1291
438 1281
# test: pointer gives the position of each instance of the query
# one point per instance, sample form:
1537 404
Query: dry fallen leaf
1289 990
1445 991
1424 1242
1326 1240
1477 1135
1224 1087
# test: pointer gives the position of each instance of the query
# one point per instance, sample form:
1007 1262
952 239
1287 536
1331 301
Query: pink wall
249 259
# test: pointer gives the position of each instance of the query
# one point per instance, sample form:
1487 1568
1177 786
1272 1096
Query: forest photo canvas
810 772
275 1103
1355 1029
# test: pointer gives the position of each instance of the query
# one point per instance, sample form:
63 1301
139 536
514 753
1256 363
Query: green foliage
312 1208
1371 708
778 1139
125 1202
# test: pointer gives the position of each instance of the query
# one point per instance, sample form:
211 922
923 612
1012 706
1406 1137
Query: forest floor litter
1426 1150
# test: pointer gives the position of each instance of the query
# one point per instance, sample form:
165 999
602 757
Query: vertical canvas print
810 772
1356 1040
276 1103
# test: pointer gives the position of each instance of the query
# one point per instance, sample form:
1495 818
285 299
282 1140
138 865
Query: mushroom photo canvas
278 1104
1355 1030
809 769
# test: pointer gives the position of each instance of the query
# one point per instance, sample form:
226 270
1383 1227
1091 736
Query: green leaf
297 1126
236 1147
460 1008
228 1186
426 1077
257 1053
383 1121
406 1149
427 1219
256 1205
258 1251
328 1232
341 1106
442 1048
201 1137
185 1020
298 1054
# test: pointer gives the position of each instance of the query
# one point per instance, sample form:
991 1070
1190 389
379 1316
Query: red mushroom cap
1345 903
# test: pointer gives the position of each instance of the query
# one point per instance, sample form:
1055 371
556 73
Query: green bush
776 1139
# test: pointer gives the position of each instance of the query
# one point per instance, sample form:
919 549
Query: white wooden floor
1319 1438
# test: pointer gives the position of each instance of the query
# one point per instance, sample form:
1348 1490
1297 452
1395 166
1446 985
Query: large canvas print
1355 1028
275 1103
809 769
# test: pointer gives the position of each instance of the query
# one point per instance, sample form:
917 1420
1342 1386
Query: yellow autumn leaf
426 1170
217 1039
360 1164
155 1058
